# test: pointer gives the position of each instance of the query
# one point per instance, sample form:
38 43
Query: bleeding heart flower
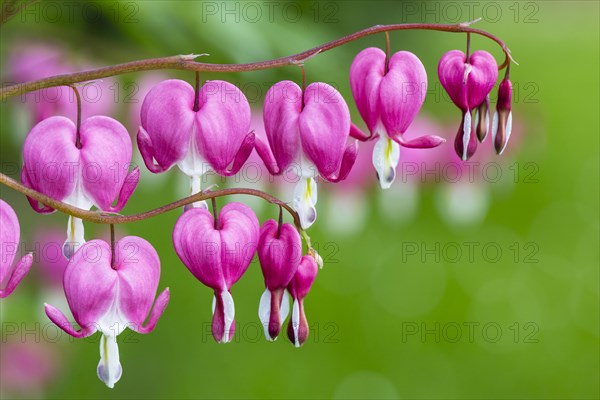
299 288
469 82
200 132
109 294
389 95
217 251
10 234
307 134
279 253
92 172
502 124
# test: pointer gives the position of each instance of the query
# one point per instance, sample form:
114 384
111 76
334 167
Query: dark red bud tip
223 325
504 96
502 124
465 137
482 119
275 317
298 326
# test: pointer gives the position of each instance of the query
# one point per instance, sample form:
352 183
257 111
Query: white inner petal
304 201
195 188
284 311
296 322
228 314
109 368
75 237
508 131
306 168
77 198
386 155
193 163
466 135
494 127
264 312
113 323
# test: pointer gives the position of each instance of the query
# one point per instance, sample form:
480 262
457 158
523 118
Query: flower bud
502 124
299 287
482 119
468 83
218 253
279 253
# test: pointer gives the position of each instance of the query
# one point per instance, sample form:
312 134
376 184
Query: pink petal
222 123
304 278
324 127
106 156
198 245
348 160
357 133
18 274
451 71
402 92
51 157
279 253
242 156
159 307
138 268
63 323
366 74
168 121
127 190
266 155
282 107
10 234
421 142
239 231
90 283
482 78
36 205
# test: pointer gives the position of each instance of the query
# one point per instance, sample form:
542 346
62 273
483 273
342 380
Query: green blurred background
396 312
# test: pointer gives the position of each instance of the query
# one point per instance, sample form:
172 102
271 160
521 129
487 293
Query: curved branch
101 217
186 62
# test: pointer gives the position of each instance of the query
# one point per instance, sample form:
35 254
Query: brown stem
101 217
387 52
280 222
78 133
183 62
468 46
215 216
10 9
197 92
112 246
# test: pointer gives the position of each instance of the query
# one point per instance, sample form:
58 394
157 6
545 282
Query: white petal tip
386 155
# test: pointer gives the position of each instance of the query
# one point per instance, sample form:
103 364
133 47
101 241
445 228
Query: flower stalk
186 62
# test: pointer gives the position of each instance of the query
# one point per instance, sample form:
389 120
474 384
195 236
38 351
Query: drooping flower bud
388 101
299 287
502 124
109 295
482 119
307 134
218 251
10 234
279 252
468 83
200 132
92 172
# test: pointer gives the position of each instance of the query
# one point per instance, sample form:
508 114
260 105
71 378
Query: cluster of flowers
113 287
